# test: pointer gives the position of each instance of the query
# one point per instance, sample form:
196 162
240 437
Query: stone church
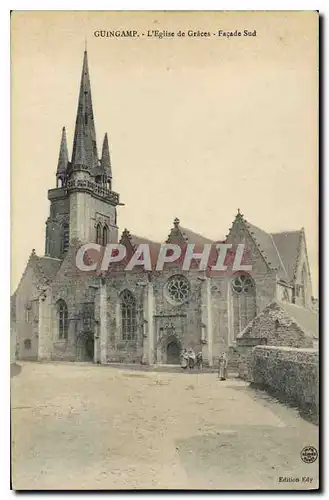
59 313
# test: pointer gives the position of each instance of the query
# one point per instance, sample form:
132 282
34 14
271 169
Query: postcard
164 301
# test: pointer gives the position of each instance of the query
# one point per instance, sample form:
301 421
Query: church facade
137 316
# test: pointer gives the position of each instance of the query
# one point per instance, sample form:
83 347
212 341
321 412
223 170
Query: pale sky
198 127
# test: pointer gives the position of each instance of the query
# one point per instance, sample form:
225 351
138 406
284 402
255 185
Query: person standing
191 358
184 359
199 360
222 366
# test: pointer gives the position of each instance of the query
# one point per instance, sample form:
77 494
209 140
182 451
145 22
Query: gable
28 290
302 260
253 253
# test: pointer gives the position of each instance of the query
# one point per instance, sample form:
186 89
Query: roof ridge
287 231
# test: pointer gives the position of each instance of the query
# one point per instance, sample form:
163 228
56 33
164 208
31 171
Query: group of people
190 360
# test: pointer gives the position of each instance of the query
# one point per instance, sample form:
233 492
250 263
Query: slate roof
305 319
193 237
48 266
13 307
267 244
279 250
287 244
84 143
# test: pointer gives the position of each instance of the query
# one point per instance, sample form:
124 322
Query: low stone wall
289 373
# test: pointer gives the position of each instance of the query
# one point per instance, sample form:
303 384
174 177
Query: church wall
303 280
284 293
105 214
183 320
79 216
76 290
59 211
220 318
118 349
265 289
27 314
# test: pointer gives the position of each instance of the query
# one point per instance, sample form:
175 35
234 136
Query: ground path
83 426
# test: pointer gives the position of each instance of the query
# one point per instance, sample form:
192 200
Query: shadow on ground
263 396
245 457
157 368
15 369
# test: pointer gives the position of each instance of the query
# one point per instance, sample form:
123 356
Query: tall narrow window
28 313
66 236
128 315
304 286
63 324
244 301
105 235
99 234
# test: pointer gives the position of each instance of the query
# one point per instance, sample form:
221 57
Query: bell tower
83 204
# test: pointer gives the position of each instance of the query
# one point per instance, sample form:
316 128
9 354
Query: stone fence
289 373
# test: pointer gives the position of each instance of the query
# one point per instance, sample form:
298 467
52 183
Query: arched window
128 315
99 234
244 301
63 324
105 235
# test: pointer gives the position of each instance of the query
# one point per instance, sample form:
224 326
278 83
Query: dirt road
81 426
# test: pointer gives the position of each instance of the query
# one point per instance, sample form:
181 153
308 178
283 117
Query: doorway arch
169 349
173 351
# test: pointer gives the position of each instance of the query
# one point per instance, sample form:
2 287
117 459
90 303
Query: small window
105 235
27 344
66 237
277 324
28 313
99 234
87 323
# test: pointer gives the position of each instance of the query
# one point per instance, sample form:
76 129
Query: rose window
242 283
178 289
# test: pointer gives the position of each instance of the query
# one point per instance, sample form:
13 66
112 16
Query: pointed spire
63 158
84 143
106 160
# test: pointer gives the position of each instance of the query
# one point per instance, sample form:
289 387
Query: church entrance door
89 346
173 353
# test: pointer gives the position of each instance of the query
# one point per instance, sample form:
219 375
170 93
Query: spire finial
63 157
85 44
105 160
176 222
